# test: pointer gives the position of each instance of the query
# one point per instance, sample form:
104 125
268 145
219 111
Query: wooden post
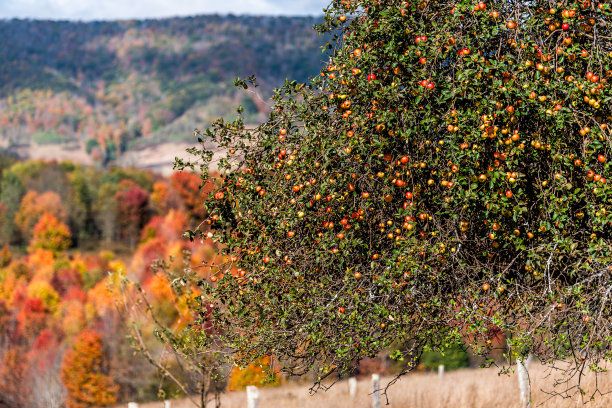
167 404
441 371
352 383
252 396
376 391
132 405
524 384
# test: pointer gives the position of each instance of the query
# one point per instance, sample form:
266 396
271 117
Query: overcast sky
128 9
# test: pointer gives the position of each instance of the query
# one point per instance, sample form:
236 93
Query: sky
88 10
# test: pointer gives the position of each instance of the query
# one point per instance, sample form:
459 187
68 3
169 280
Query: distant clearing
158 158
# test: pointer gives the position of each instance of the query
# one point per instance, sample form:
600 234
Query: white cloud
127 9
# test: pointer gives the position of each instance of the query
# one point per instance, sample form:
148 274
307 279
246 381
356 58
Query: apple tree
445 176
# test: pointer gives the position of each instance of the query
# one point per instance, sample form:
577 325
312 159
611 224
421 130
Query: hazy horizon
152 9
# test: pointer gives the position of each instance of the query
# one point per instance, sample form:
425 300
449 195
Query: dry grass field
470 388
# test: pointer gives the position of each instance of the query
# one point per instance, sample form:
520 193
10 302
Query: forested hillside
105 87
70 233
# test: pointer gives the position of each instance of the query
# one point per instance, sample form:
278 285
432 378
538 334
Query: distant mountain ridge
107 86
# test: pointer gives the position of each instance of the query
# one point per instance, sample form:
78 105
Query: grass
468 388
49 137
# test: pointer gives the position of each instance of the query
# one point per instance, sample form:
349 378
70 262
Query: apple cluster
444 176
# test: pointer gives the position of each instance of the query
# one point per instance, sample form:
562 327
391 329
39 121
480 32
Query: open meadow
468 388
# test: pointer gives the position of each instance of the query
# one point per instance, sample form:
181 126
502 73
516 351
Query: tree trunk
524 383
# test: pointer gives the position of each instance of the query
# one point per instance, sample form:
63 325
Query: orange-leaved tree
84 373
33 206
13 369
50 233
192 191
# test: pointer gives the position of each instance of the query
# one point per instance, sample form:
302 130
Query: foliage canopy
444 177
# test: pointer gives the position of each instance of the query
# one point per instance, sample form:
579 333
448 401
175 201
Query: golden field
468 388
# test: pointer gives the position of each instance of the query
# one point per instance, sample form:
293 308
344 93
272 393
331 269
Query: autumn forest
70 233
103 88
79 237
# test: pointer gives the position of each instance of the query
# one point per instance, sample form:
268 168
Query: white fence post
352 383
376 391
524 384
167 404
441 371
252 396
132 405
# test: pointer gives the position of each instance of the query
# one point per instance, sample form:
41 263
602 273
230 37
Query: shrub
260 373
451 358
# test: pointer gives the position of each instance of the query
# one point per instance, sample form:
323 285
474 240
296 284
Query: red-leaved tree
133 211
